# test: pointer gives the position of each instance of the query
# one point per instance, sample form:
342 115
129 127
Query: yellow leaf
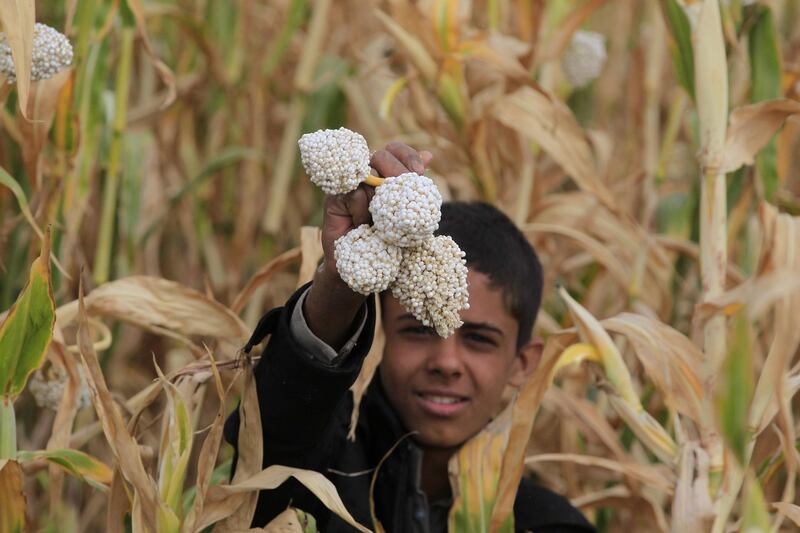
79 464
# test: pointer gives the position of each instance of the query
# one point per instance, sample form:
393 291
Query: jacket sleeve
299 397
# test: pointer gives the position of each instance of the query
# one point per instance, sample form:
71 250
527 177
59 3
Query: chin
440 440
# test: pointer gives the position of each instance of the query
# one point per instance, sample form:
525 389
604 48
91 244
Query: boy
443 391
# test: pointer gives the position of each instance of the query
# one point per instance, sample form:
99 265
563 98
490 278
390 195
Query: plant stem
108 216
8 429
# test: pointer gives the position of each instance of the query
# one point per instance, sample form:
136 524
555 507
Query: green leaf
681 43
755 517
765 73
81 465
27 330
735 388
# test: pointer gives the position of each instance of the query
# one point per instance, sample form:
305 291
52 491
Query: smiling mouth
441 405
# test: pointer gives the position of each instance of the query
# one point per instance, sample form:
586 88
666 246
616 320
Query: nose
444 358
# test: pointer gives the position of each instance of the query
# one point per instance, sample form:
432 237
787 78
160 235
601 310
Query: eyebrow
480 326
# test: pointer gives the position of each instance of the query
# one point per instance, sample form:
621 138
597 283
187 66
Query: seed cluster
406 209
335 160
432 283
51 53
427 274
47 387
364 261
584 59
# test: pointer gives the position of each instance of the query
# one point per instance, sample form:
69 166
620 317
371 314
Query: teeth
443 399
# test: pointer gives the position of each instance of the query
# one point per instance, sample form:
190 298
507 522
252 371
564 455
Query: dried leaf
550 123
312 253
276 475
791 511
414 48
653 476
751 128
670 359
162 306
12 499
263 274
18 18
122 443
692 509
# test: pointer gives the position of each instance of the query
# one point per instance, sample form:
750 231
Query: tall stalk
711 91
110 192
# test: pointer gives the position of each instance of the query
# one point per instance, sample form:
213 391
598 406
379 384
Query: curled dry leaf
161 306
752 127
263 274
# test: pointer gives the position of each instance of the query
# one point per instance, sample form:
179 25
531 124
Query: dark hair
495 247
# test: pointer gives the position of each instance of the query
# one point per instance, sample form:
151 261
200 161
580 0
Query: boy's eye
480 339
418 330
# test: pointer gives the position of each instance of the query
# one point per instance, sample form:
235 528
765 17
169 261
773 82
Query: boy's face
447 390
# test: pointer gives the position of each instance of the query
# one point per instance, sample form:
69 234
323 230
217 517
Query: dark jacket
305 416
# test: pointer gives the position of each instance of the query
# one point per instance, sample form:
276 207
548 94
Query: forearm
331 307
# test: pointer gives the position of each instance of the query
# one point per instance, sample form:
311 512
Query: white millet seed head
335 160
584 59
406 209
47 387
51 53
364 261
432 284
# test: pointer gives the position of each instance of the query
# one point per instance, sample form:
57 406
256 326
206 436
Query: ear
525 362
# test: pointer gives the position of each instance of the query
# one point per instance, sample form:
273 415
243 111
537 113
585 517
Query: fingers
398 158
357 203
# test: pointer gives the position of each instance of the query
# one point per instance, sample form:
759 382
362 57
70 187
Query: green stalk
107 217
8 429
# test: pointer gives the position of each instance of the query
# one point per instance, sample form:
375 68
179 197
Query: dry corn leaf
122 443
367 372
12 499
264 273
118 504
791 511
589 418
275 475
208 453
42 105
692 508
549 122
286 522
593 333
162 306
658 477
474 478
752 127
18 18
242 506
415 49
522 417
312 253
670 359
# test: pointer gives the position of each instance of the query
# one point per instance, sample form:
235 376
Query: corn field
153 207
